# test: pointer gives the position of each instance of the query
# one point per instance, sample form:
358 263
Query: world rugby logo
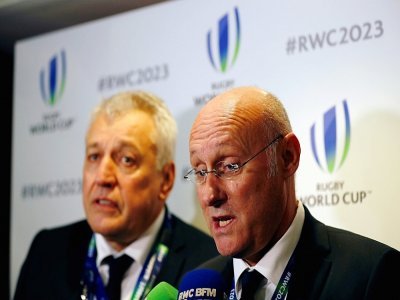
52 79
330 138
223 47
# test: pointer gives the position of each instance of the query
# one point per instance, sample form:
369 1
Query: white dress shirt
273 263
138 250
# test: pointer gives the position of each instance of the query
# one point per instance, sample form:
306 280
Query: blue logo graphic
328 157
52 79
224 29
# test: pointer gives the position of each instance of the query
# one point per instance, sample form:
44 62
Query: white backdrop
334 64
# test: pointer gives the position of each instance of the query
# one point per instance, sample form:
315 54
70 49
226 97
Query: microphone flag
202 284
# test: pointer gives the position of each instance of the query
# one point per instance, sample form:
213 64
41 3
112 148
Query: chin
227 250
104 227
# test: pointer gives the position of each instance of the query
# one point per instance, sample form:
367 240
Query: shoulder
67 229
189 239
59 247
222 265
359 246
188 248
56 256
70 234
343 245
218 263
324 250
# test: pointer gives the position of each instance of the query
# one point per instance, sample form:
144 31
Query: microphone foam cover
163 291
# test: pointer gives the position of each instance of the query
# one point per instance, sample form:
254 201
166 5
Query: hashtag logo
290 46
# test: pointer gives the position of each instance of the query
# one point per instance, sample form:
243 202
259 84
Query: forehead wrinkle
204 131
245 121
235 115
214 129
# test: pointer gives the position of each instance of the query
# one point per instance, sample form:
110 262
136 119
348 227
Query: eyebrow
119 145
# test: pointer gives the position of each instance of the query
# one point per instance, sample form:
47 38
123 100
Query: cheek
138 190
89 174
251 198
241 189
141 182
200 197
87 181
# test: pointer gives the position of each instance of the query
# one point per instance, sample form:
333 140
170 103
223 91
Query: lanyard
92 285
282 288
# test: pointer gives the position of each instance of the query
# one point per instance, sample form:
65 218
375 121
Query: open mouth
105 202
223 221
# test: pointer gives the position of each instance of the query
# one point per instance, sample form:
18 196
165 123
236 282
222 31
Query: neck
287 219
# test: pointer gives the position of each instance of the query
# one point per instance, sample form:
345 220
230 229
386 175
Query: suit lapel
78 245
312 261
309 277
171 268
173 264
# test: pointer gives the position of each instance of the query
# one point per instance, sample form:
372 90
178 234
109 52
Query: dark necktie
250 282
117 269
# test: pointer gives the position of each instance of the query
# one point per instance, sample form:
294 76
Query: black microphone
202 284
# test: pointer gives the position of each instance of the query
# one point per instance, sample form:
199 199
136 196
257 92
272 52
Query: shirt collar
138 249
273 263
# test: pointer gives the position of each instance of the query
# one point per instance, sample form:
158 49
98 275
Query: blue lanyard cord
92 284
149 272
282 288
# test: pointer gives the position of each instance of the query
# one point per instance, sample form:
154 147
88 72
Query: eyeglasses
222 169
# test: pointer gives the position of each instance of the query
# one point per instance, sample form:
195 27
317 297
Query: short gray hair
165 124
276 121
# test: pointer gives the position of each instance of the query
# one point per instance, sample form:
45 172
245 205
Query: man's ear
291 154
168 178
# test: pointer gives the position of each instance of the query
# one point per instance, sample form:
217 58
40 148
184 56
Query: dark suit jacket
335 264
54 265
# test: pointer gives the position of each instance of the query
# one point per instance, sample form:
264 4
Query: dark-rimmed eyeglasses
222 169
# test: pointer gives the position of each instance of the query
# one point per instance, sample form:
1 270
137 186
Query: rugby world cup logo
52 78
330 138
223 45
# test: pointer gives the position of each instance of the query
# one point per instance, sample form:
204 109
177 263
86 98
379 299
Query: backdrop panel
334 64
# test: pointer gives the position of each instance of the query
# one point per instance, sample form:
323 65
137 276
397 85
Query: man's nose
211 192
106 172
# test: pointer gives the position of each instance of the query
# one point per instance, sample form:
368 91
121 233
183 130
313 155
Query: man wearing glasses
244 157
